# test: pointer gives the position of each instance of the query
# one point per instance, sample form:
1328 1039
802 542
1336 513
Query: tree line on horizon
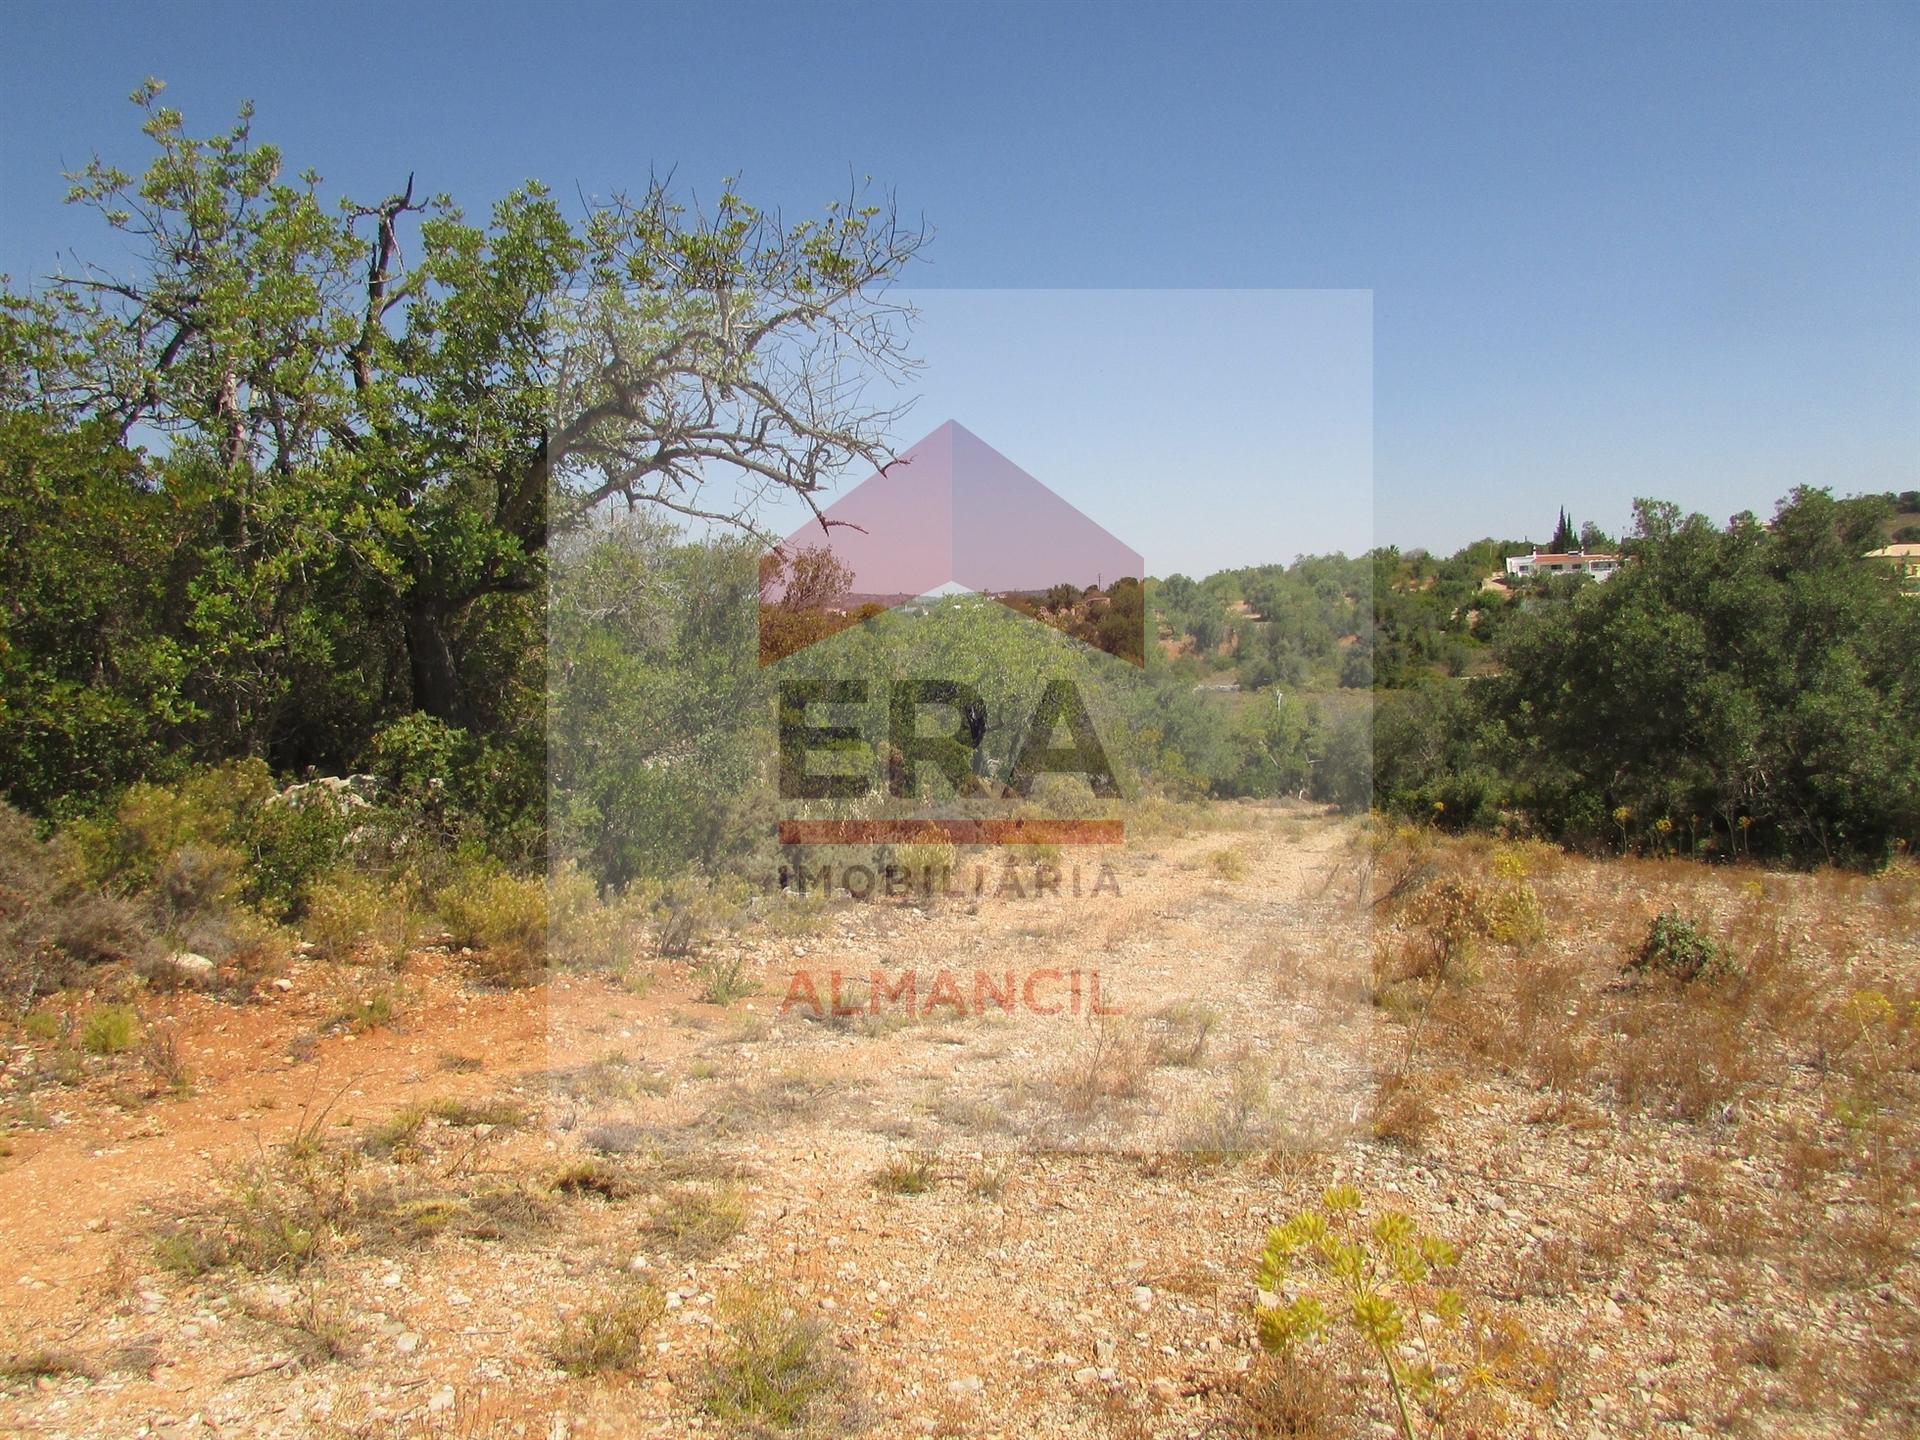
313 485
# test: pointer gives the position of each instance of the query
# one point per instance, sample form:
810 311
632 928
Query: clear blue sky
1613 250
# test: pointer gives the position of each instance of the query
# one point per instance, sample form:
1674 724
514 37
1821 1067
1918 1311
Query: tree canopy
341 435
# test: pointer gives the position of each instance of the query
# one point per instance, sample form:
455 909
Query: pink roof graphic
955 514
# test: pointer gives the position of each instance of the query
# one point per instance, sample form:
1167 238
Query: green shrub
41 1024
367 1014
462 789
921 861
211 809
355 916
773 1363
910 1174
723 981
1378 1282
109 1029
1677 948
290 845
609 1334
502 915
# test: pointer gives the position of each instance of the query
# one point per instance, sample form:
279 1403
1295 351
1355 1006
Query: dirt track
1013 1216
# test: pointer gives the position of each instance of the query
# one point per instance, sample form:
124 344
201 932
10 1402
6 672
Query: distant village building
1555 562
1904 561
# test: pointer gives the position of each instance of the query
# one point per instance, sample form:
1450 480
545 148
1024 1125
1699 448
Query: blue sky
1613 250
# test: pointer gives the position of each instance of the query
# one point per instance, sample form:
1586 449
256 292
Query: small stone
441 1400
1142 1296
189 968
966 1385
1166 1391
407 1343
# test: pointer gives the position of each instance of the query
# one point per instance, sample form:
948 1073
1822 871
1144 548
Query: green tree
92 687
380 414
1751 688
1562 534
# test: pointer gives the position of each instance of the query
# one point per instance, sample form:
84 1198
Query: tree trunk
436 678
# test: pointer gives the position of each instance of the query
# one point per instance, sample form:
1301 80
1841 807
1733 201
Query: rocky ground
604 1207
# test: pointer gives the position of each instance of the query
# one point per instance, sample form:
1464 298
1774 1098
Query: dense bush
355 916
52 922
1677 948
219 834
1751 690
461 789
1729 692
503 916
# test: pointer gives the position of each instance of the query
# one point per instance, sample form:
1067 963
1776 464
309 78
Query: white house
1525 567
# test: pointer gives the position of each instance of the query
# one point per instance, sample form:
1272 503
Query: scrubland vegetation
1518 992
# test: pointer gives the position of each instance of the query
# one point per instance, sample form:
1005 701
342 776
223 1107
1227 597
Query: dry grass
318 1328
1760 1032
1218 1128
910 1174
47 1362
609 1334
1178 1033
593 1176
160 1053
1111 1065
695 1222
772 1364
1229 864
311 1198
1292 1397
1403 1107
